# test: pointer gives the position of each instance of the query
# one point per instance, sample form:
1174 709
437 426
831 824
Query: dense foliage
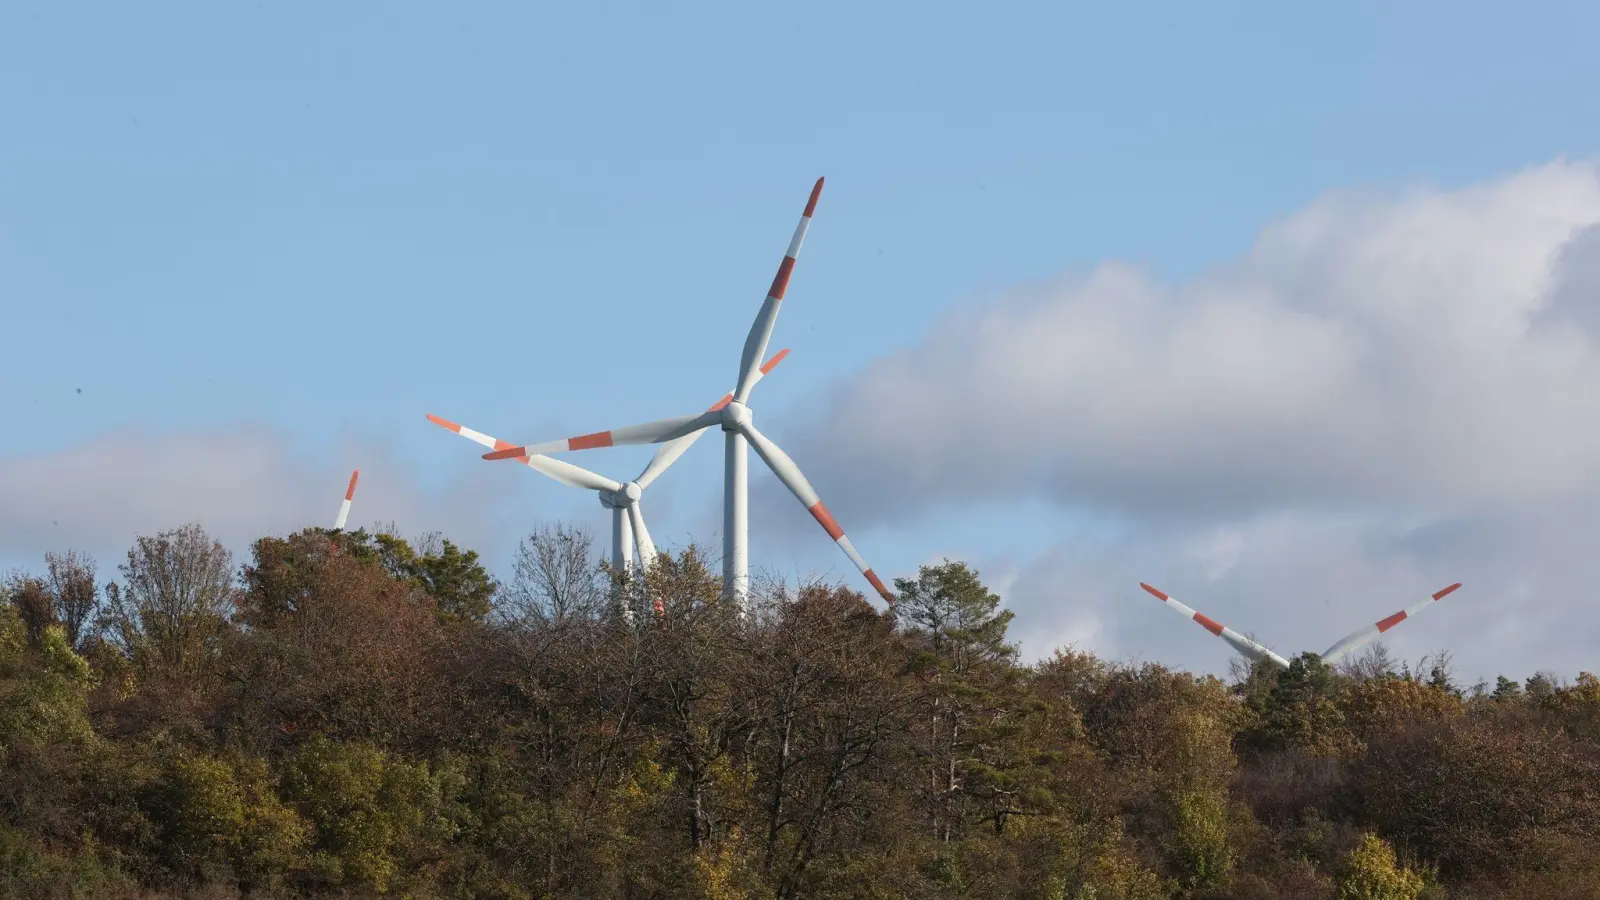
353 715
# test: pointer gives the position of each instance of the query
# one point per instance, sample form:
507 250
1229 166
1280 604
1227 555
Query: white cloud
1384 394
239 484
1366 350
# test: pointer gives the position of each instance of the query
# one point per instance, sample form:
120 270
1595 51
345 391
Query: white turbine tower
735 419
1340 649
627 518
349 495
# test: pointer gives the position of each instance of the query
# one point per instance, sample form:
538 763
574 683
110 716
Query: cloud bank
239 484
1384 394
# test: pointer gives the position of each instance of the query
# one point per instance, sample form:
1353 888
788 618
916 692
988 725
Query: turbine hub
734 415
632 492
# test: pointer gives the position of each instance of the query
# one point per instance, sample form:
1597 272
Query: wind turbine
735 419
1340 649
627 519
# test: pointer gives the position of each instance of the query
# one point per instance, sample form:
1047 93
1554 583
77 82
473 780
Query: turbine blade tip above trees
877 584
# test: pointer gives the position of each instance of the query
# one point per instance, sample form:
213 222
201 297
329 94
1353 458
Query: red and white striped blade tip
811 204
880 587
1155 593
444 423
350 492
772 363
581 442
766 369
1451 589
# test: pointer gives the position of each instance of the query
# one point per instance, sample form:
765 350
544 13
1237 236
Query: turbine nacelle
735 416
623 497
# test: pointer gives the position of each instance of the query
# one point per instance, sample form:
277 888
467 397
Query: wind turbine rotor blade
641 535
789 473
1355 641
761 373
1246 647
564 472
477 437
569 474
349 495
755 345
669 452
647 551
666 456
648 433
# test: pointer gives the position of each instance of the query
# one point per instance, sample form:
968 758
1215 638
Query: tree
824 691
1481 795
458 583
961 618
1541 685
77 599
556 577
1373 874
1506 689
334 643
1441 674
174 607
1301 711
343 735
696 657
369 809
462 589
31 598
1374 661
1379 706
969 694
45 734
1167 739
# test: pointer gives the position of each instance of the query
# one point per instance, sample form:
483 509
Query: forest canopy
350 714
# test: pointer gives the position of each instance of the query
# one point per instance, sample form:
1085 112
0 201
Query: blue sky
326 220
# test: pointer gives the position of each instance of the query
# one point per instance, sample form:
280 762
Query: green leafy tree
1301 711
964 660
960 617
372 812
1199 850
1372 873
1505 689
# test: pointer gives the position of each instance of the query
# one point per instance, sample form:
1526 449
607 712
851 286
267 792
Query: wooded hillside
349 715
